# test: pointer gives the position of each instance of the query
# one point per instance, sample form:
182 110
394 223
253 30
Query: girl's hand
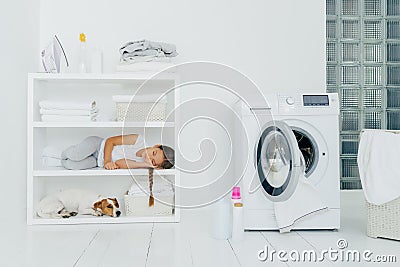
111 166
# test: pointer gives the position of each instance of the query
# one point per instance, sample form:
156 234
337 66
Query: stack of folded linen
145 55
51 157
57 111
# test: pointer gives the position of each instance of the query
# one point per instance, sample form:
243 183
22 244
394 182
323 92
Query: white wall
279 44
19 30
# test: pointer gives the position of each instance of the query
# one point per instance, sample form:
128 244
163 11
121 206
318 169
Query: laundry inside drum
308 149
276 159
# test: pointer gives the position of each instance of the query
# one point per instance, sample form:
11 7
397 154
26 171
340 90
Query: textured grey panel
350 29
350 120
350 52
373 53
350 7
330 7
393 7
373 29
393 29
349 168
393 97
372 120
350 98
393 120
372 98
372 7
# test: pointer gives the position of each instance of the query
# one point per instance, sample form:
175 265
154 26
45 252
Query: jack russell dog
71 202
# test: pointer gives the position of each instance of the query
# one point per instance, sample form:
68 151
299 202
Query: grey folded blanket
146 48
145 53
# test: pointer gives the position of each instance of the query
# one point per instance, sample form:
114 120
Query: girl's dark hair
169 157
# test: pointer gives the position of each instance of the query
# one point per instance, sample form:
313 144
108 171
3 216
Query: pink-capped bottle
237 215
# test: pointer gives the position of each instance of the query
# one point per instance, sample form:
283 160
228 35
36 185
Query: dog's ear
97 205
115 201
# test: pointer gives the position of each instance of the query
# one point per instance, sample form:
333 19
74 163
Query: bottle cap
236 192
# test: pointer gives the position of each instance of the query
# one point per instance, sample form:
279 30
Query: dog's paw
97 213
73 213
65 216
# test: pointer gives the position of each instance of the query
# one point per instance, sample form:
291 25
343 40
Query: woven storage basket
384 220
139 205
141 111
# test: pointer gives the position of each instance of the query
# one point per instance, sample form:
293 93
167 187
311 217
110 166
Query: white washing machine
306 124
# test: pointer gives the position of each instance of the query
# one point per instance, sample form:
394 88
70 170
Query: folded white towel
51 162
149 98
138 59
52 152
304 202
160 188
61 118
378 161
152 66
47 104
145 191
71 112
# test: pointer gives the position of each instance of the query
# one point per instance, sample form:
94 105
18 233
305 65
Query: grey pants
83 155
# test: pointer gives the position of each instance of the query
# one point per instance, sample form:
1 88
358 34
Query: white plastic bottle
237 215
82 54
97 61
222 219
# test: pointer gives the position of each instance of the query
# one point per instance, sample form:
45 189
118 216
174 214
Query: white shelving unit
42 180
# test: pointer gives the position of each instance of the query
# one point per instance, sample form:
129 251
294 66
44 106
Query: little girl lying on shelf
117 152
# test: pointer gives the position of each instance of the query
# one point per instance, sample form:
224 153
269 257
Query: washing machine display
316 100
278 161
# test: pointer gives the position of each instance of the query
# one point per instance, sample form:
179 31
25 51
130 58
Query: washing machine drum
278 161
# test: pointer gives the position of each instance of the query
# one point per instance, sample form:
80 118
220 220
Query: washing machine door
278 161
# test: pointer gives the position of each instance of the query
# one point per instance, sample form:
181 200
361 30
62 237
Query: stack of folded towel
51 157
57 111
145 55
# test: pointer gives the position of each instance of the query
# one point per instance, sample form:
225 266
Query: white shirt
122 151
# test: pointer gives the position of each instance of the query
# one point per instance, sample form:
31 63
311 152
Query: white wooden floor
184 244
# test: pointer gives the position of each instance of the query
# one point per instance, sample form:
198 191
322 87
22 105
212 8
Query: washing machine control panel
308 104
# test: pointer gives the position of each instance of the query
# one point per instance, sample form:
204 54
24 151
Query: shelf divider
107 124
57 172
103 219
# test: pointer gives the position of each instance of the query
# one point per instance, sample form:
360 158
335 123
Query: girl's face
153 155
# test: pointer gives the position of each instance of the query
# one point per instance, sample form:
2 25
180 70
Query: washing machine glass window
278 161
308 148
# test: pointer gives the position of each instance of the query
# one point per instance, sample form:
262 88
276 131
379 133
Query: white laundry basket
135 109
384 220
137 199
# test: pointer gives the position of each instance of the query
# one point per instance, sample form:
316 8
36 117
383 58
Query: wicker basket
141 111
384 220
139 206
